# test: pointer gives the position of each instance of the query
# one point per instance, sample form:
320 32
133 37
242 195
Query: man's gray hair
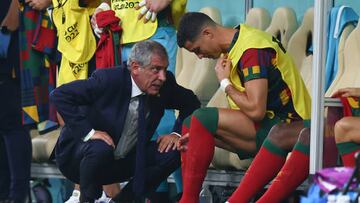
142 52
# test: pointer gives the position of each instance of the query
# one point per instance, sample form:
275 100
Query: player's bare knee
284 135
277 134
341 129
304 136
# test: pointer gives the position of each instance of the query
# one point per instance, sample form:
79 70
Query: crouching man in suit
109 120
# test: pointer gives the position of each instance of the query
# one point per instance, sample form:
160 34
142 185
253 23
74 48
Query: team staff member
155 20
97 146
15 143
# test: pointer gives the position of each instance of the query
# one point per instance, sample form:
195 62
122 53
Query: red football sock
264 168
184 130
294 172
199 155
348 159
347 151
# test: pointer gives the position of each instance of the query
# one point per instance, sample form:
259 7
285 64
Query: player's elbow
257 114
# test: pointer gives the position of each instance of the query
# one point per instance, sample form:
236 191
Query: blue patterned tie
139 178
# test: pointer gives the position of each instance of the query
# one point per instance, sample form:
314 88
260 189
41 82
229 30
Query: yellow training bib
178 8
76 39
134 30
253 38
70 71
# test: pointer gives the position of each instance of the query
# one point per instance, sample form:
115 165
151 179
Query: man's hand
104 136
38 4
181 145
93 18
150 8
347 92
102 7
223 67
167 142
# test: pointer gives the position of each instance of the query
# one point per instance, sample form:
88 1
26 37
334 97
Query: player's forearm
251 107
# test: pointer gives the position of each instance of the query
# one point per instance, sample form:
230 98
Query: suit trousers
92 164
15 144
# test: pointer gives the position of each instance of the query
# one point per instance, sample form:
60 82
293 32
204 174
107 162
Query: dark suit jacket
101 103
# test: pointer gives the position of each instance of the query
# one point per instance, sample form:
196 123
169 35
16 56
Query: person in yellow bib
146 19
268 116
76 41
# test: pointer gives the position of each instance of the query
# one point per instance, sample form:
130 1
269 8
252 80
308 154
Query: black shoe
85 200
116 199
126 195
122 201
159 197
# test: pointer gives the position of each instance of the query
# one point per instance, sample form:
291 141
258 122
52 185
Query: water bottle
331 199
205 195
343 199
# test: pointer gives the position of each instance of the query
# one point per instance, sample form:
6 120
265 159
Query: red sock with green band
347 151
264 168
294 172
200 152
184 130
